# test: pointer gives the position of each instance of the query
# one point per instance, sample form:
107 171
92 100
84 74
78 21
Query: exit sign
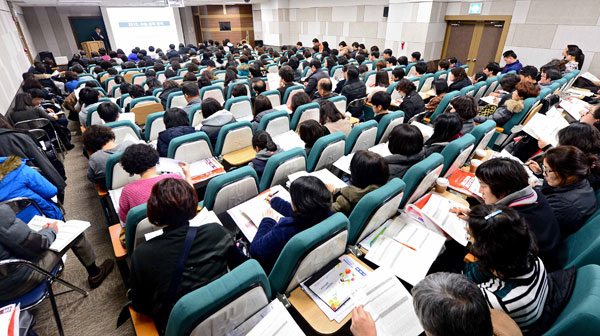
475 8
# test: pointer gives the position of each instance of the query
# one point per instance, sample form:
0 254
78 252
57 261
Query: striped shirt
522 298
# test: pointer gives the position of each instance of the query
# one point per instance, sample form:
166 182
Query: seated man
18 241
548 77
324 88
259 86
286 75
420 69
512 63
381 101
529 74
315 76
443 65
192 96
100 141
446 304
491 70
397 74
415 57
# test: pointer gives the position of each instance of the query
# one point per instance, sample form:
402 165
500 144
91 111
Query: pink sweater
137 193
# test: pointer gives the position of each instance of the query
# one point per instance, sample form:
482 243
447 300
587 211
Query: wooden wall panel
240 17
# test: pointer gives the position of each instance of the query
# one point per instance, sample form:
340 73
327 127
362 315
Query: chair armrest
427 120
115 231
499 129
101 193
142 324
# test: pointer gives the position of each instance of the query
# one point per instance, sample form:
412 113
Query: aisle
97 313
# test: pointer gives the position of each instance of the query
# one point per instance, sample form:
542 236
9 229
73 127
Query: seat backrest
176 99
190 147
483 134
439 73
115 91
516 118
234 136
274 96
143 111
374 209
124 100
275 123
138 79
369 78
116 176
308 252
456 154
425 83
280 165
492 83
581 316
232 85
420 178
443 104
123 128
479 89
142 101
304 112
272 68
212 91
337 72
467 90
240 107
220 74
410 70
230 189
219 82
387 124
340 102
326 151
156 92
195 115
218 307
137 226
362 137
154 125
287 96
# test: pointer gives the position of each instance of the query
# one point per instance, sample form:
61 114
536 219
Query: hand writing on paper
362 323
269 197
53 226
542 143
534 166
462 213
185 167
270 213
330 187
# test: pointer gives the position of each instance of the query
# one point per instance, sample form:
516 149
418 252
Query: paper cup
480 154
474 164
441 184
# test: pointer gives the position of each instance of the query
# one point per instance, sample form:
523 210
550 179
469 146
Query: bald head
324 86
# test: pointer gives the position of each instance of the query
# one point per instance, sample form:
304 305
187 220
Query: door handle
468 59
474 59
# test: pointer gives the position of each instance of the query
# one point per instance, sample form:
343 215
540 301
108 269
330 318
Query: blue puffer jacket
165 137
19 180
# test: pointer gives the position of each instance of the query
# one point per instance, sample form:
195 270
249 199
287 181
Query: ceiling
120 3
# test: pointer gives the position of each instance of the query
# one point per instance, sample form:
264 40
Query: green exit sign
475 8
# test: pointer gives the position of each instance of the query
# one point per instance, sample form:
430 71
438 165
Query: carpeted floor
97 313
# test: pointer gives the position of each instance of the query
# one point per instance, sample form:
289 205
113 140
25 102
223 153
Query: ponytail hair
263 140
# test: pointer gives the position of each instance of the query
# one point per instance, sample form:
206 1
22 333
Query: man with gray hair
446 304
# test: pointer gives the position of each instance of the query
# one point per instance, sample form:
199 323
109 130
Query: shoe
69 146
105 268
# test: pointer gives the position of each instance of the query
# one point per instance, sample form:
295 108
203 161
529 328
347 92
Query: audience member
523 90
332 119
405 142
380 102
315 76
99 140
177 123
512 63
458 77
214 118
446 128
354 89
412 103
265 148
467 110
310 131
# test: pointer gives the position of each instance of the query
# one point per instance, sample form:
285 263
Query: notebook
67 231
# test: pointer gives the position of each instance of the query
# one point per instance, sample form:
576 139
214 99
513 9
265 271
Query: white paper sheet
343 163
168 166
283 107
9 319
437 209
406 247
574 107
288 140
545 127
426 130
490 100
278 322
388 302
245 215
324 175
204 166
67 231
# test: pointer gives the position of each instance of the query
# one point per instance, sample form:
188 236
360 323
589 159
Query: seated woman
262 106
18 241
505 182
298 99
177 123
458 77
406 145
465 107
100 141
523 90
265 148
19 180
447 127
440 88
141 159
215 117
171 205
382 81
368 172
567 188
508 271
311 204
333 120
412 103
169 86
310 131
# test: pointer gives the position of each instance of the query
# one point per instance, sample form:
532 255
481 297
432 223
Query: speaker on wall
386 10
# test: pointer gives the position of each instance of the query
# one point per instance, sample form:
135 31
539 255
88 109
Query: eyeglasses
546 171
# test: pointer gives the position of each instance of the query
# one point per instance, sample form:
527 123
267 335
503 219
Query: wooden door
489 39
459 41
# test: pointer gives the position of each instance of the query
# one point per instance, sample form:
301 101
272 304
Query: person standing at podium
97 34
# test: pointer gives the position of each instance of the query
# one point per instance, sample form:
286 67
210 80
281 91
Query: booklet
332 283
465 183
9 319
546 127
277 322
324 175
67 231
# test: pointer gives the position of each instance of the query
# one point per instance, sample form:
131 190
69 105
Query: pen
410 247
275 193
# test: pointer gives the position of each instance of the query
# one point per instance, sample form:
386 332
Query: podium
91 46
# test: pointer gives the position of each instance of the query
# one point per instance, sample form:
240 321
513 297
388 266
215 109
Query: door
475 42
459 41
